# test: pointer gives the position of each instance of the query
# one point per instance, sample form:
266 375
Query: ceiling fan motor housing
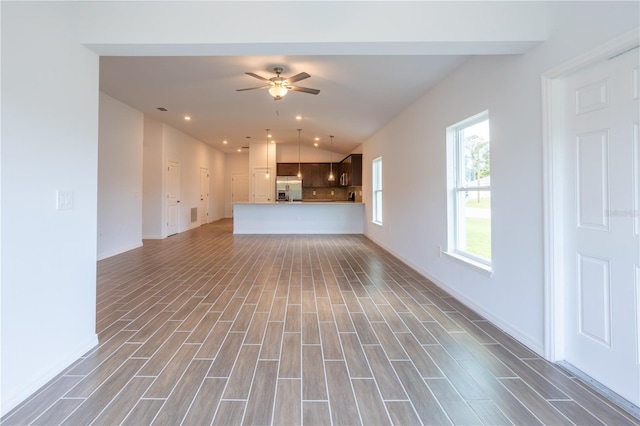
278 86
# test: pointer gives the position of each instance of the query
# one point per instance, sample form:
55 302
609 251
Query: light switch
64 199
331 192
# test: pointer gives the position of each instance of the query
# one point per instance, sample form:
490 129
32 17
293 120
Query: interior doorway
204 196
173 197
592 254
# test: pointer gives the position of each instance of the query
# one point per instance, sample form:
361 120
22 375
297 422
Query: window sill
376 223
476 266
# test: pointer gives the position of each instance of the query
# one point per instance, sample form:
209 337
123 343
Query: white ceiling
358 94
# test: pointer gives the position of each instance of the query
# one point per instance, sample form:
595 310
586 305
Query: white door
602 224
263 190
173 197
204 196
240 187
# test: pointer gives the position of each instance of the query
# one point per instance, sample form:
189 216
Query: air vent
194 214
163 109
244 147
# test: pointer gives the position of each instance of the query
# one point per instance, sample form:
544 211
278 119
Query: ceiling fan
279 86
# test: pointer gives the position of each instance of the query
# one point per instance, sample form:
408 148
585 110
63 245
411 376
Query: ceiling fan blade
304 90
298 77
252 88
259 77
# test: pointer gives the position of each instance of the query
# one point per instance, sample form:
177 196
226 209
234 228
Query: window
469 182
377 190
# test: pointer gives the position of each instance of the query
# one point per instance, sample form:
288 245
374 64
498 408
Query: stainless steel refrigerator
288 188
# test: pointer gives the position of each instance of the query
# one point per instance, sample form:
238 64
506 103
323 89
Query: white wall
414 169
217 190
163 143
131 195
119 177
289 154
153 215
49 143
193 155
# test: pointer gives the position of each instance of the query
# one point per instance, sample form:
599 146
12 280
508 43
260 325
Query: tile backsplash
340 193
358 191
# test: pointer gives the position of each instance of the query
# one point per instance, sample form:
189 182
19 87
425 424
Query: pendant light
299 172
331 176
266 143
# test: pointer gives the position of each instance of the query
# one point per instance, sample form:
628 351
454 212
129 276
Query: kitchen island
334 217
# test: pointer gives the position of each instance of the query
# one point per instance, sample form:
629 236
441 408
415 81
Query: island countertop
299 217
286 203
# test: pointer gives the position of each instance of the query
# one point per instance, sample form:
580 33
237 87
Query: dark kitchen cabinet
287 169
323 177
315 175
351 171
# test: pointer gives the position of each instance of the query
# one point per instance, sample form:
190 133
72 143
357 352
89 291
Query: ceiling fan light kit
277 91
280 86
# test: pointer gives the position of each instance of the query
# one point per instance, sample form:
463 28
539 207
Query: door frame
254 183
204 214
553 207
165 232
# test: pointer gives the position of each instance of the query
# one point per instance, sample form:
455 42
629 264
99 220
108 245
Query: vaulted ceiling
370 60
357 95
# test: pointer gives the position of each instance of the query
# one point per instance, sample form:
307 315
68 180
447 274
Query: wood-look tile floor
210 328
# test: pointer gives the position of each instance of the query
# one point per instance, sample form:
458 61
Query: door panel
204 196
594 286
263 188
173 197
602 246
593 180
240 187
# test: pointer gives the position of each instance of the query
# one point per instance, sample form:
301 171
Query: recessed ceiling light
298 117
316 138
315 144
239 149
225 142
187 118
272 141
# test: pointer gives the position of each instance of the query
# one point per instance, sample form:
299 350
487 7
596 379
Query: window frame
376 190
456 186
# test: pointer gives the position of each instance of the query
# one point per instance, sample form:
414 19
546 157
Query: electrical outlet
440 251
64 199
331 192
314 192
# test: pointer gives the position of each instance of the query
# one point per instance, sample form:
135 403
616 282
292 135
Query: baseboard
13 398
517 334
102 256
153 237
